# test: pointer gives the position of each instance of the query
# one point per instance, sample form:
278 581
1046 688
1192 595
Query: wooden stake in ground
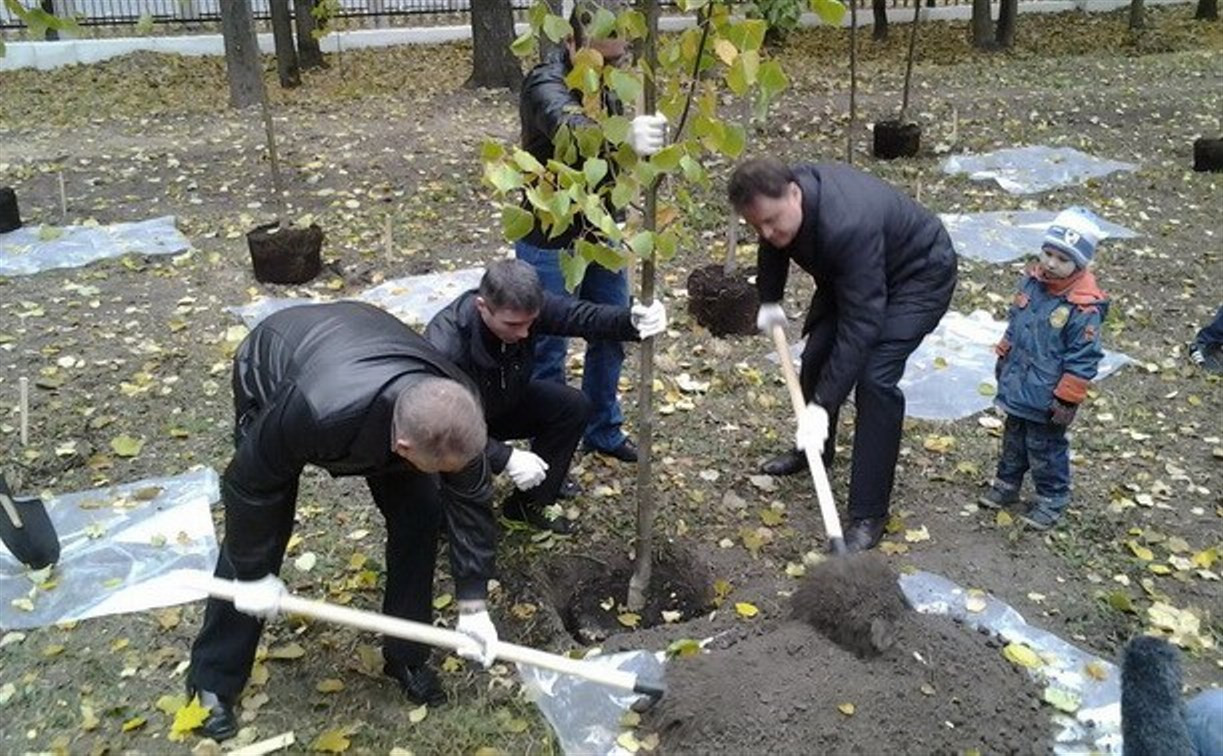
24 384
853 81
63 199
277 184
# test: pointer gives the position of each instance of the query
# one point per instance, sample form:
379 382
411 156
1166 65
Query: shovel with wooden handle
441 637
815 461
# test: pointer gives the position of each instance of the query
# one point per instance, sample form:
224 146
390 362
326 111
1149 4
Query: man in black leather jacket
349 388
884 270
490 333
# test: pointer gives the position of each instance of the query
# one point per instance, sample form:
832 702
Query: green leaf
525 45
527 162
625 84
595 169
666 244
733 140
602 26
623 192
830 11
126 446
557 28
668 158
491 151
642 243
516 222
692 5
615 129
573 266
684 647
748 34
563 147
772 78
736 77
632 24
503 177
693 170
602 254
590 140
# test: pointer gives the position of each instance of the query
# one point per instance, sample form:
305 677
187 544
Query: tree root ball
1208 155
725 304
285 255
854 600
10 215
894 139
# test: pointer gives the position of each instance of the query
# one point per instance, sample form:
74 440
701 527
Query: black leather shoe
625 452
789 463
419 684
569 488
864 533
222 723
520 510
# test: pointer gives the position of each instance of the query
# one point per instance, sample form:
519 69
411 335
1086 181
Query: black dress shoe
789 463
222 723
521 510
569 488
864 533
625 452
419 684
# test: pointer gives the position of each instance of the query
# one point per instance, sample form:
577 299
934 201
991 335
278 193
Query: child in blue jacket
1046 360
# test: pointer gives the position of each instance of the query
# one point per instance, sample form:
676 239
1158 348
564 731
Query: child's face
1056 263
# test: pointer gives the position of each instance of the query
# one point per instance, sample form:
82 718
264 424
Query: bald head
438 425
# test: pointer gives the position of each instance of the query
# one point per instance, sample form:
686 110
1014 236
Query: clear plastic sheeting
1028 170
33 249
586 715
951 374
1004 236
412 299
122 549
1095 725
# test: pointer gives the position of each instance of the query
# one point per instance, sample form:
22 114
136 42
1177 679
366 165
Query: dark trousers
1212 332
553 416
1042 449
880 416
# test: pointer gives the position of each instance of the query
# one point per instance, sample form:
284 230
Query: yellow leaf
684 647
726 51
1003 519
1160 569
126 446
1096 670
135 723
417 715
1205 559
330 685
628 741
170 704
1062 700
891 547
847 709
54 649
186 719
628 619
331 741
938 444
917 536
771 517
442 601
1140 551
287 651
1017 653
89 720
168 618
746 610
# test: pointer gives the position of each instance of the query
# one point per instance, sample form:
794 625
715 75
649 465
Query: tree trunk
1008 13
853 82
904 100
1138 15
492 31
1208 10
982 37
308 53
242 65
286 55
880 9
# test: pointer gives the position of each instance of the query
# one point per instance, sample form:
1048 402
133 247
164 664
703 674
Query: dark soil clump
854 600
725 304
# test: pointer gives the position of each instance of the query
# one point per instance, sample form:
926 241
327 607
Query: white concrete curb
48 55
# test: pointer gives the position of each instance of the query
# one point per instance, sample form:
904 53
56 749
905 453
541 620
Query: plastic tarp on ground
586 716
122 549
33 249
951 375
1037 168
1000 237
412 299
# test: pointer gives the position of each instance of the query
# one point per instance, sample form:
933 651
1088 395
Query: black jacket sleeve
860 289
471 530
772 269
547 103
569 316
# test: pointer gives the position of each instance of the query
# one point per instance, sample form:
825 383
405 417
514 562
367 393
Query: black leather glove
1062 413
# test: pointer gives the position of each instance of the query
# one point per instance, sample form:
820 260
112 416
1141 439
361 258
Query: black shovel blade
26 530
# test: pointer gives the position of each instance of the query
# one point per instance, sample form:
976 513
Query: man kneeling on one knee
490 332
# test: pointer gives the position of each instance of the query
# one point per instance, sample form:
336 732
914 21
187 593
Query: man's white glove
526 469
259 598
769 315
478 626
649 320
647 133
812 428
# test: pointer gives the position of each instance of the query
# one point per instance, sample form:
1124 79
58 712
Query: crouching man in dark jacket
351 389
884 270
490 333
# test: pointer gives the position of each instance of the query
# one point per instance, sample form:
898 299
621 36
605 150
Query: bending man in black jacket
884 270
490 333
351 389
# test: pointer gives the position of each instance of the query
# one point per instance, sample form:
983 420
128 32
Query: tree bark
286 55
1208 10
880 9
1008 14
1138 15
982 36
308 53
242 65
492 31
853 83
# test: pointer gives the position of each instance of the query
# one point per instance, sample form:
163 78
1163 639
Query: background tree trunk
286 55
1208 10
1008 14
1138 14
880 9
242 65
492 31
308 53
982 37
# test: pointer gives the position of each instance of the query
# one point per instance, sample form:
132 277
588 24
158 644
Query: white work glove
812 428
259 598
478 626
648 133
526 469
649 320
769 315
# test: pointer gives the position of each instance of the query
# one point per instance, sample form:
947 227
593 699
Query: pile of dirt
938 688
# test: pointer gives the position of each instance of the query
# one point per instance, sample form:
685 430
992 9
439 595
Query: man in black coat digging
490 332
349 388
884 270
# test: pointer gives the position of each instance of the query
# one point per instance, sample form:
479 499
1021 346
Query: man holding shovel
349 388
885 270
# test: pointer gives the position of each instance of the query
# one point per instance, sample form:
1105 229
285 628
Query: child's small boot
1043 514
999 494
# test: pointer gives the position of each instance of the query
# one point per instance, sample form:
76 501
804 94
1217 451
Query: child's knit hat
1075 232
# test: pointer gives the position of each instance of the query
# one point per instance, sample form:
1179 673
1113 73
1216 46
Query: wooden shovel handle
11 510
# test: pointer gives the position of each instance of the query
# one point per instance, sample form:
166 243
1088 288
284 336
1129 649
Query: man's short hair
511 284
441 418
752 178
584 12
